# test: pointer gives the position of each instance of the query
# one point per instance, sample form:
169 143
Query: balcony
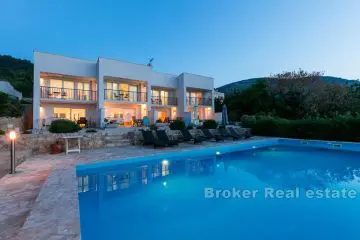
67 94
156 100
199 101
127 96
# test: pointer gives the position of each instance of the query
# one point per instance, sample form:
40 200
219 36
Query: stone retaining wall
41 143
16 122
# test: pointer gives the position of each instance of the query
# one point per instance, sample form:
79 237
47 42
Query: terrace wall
41 143
16 122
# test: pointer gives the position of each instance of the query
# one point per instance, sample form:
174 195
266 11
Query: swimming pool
186 195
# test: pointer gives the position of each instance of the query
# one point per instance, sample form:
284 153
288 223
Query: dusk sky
228 40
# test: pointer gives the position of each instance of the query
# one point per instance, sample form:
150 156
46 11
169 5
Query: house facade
111 90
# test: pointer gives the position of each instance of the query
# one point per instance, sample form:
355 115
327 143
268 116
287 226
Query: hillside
18 72
243 84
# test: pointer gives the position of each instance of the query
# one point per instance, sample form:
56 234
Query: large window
121 91
84 91
62 113
123 116
69 113
160 97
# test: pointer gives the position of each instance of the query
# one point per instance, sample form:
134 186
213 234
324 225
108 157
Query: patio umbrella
224 116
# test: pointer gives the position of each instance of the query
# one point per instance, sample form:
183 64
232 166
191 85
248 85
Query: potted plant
56 148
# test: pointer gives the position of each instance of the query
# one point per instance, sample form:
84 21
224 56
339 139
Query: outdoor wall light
12 136
165 162
217 153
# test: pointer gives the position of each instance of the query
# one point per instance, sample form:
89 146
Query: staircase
116 140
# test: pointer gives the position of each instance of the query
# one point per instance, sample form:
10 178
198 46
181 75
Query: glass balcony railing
199 101
164 100
67 94
129 96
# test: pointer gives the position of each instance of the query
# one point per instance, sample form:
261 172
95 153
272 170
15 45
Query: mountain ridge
246 83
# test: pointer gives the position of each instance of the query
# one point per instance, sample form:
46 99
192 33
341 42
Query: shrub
210 124
2 132
63 126
247 120
337 129
177 125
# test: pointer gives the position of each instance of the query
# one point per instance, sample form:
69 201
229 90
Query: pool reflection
142 175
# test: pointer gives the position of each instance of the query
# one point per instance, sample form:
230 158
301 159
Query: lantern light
12 135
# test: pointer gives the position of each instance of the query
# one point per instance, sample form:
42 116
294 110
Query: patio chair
209 135
149 139
233 132
187 136
225 134
164 138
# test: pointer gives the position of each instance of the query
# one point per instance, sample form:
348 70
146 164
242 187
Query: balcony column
181 96
100 95
36 99
148 105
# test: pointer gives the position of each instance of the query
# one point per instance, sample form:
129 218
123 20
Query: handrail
67 93
164 100
199 101
120 95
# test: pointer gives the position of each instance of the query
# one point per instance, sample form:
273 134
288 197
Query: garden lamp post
12 136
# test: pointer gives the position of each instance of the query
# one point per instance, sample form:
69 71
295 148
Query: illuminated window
78 113
62 113
83 91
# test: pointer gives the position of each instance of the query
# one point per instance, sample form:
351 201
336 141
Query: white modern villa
117 91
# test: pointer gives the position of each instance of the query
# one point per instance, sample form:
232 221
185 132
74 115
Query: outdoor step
110 145
117 143
115 137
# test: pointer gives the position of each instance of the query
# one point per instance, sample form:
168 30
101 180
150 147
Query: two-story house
72 88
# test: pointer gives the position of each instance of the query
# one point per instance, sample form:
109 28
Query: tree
18 72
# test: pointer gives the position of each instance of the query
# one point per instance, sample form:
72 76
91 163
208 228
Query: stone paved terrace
40 200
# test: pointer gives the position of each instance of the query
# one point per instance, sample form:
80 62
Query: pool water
164 198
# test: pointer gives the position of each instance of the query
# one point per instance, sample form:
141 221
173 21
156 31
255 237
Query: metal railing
129 96
164 100
199 101
67 94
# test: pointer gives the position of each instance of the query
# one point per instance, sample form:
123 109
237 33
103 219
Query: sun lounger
163 137
234 133
225 134
187 136
149 139
209 135
245 132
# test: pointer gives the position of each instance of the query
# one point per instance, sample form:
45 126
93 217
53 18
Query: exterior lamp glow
217 153
165 162
12 136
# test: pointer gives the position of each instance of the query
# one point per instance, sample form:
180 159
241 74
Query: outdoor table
66 138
